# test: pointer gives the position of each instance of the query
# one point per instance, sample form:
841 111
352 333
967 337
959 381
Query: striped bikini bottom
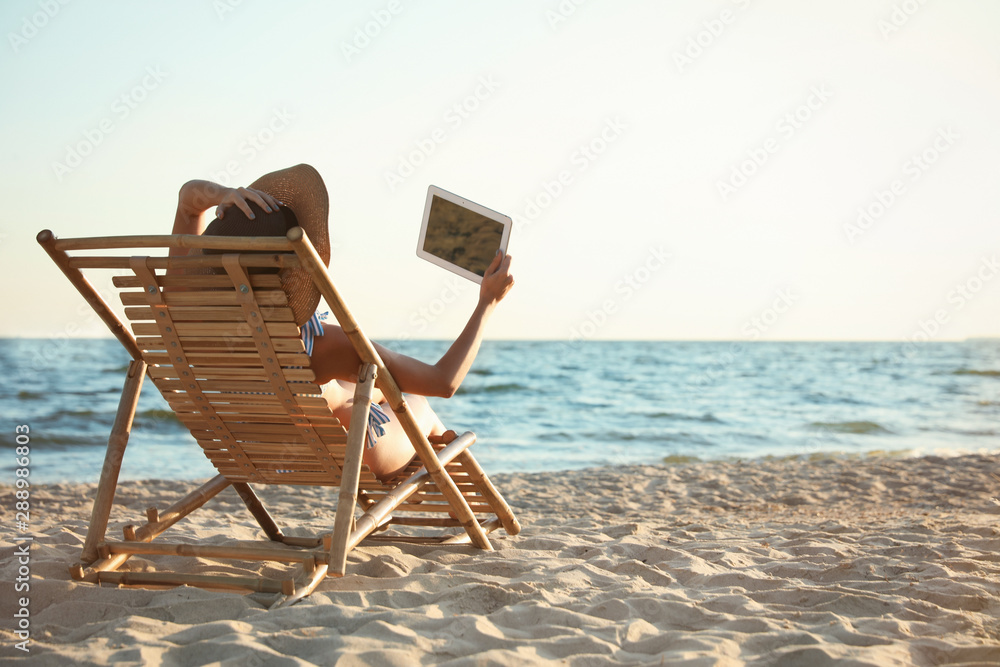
376 415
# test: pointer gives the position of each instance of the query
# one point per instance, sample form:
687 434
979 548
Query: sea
563 405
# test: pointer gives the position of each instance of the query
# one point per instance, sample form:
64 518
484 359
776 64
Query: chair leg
344 522
445 484
113 460
490 493
309 577
258 510
152 529
377 514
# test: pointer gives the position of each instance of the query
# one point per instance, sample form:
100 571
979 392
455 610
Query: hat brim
301 188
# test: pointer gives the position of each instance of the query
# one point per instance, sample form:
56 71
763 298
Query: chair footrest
215 552
228 582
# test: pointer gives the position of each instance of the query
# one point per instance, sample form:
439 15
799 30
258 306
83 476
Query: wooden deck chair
227 356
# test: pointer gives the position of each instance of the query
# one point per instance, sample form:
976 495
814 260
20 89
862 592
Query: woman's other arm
196 197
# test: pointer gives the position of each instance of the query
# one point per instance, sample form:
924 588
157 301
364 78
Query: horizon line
610 340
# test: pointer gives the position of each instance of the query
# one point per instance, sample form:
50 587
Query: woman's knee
422 411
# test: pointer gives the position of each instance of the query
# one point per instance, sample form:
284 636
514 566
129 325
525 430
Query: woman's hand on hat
240 196
497 280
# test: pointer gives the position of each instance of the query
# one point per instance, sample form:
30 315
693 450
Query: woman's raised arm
335 358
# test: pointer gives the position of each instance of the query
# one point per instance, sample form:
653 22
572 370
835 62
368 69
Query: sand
870 561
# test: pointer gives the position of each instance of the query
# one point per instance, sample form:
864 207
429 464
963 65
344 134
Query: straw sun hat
300 189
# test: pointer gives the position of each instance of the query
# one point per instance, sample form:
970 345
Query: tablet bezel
435 191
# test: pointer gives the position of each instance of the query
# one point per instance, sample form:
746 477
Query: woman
297 196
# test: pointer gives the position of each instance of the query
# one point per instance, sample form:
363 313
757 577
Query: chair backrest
227 356
223 348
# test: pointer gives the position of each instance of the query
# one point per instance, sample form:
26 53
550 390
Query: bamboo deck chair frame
258 360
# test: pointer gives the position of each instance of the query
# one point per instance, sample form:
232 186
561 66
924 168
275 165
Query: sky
726 170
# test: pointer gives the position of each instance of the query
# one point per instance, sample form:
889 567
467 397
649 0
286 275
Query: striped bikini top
311 329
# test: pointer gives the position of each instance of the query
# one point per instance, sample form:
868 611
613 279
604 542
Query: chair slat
208 437
216 314
272 297
254 431
228 359
186 263
272 451
300 389
214 343
313 405
225 329
261 411
304 479
216 243
216 373
257 281
197 421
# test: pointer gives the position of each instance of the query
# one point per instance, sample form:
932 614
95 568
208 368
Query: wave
31 395
638 437
71 440
860 428
147 417
648 360
820 398
492 389
707 418
970 371
101 418
82 413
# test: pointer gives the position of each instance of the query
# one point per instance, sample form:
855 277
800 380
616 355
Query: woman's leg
392 451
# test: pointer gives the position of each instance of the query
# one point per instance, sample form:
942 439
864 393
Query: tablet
460 235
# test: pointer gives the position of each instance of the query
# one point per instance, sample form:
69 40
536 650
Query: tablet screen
462 237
